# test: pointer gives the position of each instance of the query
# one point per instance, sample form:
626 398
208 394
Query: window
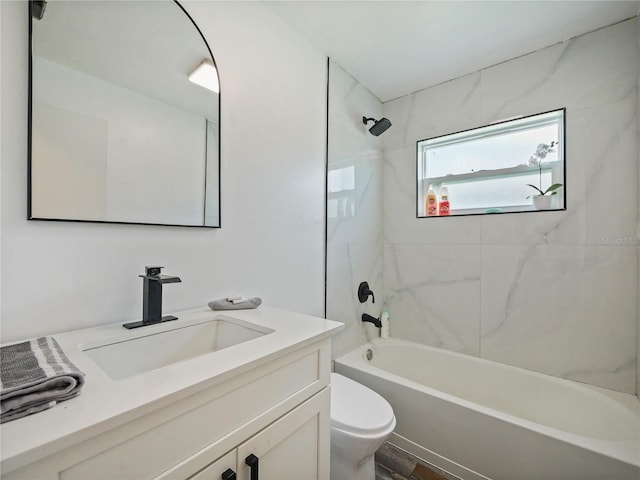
498 168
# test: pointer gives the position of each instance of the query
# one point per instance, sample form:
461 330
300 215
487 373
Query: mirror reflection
119 131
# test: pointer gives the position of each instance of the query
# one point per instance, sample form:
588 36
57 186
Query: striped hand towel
34 376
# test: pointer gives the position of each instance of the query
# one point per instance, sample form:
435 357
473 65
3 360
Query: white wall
638 230
61 276
354 240
1 150
554 292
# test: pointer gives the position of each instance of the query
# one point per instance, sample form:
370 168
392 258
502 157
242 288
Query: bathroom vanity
241 394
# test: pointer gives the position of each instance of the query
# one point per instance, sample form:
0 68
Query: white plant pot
542 202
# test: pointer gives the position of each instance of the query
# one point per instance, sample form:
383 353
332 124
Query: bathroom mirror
119 132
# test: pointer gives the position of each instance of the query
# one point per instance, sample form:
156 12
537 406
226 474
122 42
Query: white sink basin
127 355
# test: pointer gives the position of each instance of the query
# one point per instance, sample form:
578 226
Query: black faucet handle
152 270
153 273
364 292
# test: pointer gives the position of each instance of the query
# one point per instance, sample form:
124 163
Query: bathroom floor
395 464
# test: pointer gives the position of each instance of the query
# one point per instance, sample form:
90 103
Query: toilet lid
358 409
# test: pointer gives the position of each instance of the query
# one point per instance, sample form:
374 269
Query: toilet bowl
361 420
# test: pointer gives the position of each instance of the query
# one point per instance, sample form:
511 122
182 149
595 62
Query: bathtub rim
625 451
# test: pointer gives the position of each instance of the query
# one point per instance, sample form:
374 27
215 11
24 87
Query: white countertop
105 403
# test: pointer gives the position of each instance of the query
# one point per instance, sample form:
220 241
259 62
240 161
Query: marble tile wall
554 292
354 230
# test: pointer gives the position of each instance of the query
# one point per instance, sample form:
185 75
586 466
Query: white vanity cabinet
296 447
293 448
277 411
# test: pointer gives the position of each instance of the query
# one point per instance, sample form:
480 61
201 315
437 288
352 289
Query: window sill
493 211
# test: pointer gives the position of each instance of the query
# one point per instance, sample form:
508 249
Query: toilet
361 420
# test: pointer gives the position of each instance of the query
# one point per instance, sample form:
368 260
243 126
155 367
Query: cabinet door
296 447
222 469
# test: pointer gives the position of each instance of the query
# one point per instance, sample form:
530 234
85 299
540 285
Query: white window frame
557 168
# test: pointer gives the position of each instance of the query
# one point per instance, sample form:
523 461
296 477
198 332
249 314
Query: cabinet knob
228 474
252 461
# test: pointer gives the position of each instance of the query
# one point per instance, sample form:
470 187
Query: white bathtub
479 419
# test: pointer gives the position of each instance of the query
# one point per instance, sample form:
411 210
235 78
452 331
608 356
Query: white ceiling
398 47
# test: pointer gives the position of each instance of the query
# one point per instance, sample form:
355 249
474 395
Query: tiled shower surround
555 292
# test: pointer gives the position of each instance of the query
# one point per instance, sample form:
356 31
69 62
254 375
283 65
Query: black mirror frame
38 5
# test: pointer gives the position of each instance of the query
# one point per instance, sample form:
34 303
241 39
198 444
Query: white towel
226 304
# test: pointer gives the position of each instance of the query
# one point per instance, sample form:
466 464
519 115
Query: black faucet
368 318
152 297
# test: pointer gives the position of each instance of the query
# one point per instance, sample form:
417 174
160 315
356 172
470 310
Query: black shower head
37 8
379 126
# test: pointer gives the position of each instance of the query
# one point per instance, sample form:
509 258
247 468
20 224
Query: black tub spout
368 318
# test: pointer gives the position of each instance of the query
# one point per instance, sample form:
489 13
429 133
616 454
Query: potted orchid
542 200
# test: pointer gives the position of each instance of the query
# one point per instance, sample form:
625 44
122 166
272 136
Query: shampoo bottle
384 320
444 201
431 204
